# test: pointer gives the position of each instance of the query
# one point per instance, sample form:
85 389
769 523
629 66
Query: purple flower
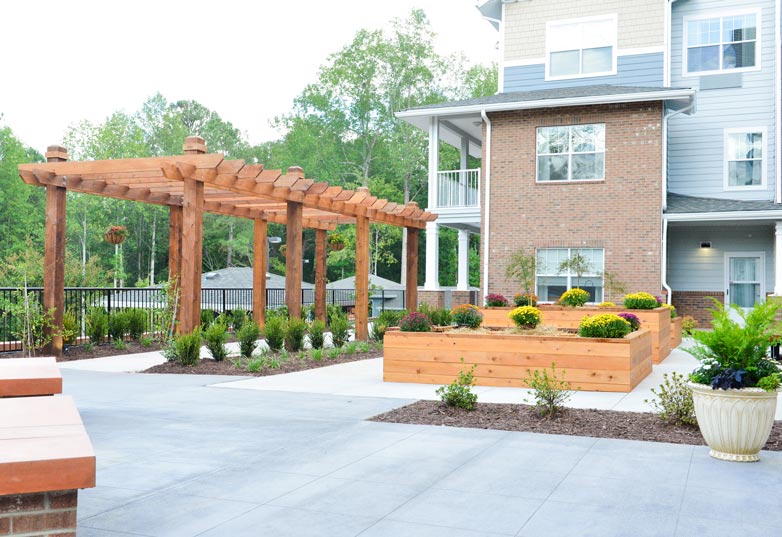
635 322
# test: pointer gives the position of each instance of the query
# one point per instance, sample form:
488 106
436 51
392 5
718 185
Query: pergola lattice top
231 187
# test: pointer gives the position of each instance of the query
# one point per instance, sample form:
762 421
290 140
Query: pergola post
293 258
175 255
362 278
192 243
320 274
411 277
259 271
54 256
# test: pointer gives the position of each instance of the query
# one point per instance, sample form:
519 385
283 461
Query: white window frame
570 277
761 276
764 161
570 154
613 17
720 15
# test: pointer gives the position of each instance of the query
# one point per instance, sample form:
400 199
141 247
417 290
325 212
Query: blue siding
636 70
696 143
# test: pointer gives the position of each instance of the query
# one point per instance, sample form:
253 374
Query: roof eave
723 215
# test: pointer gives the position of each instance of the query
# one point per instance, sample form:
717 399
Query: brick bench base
43 514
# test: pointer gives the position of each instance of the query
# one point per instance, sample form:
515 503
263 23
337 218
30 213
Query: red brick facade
697 304
51 514
621 214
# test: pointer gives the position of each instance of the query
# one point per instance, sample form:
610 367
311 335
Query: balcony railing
459 188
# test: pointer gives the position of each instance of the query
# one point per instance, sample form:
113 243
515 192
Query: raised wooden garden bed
656 320
676 332
502 359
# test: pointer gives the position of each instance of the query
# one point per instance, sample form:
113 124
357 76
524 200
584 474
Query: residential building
641 134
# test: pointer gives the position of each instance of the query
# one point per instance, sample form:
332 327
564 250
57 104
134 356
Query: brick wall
44 514
697 304
434 299
621 214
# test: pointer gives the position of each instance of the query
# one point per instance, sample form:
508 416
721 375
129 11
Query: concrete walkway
177 457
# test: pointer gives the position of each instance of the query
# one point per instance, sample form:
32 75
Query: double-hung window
725 43
551 282
745 166
571 153
581 47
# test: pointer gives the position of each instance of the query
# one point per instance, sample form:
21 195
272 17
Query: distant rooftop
681 204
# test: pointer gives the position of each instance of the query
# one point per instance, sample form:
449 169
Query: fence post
108 302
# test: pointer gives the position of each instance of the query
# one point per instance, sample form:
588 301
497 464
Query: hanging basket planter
336 242
283 250
116 234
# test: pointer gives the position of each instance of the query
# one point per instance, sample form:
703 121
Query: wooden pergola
198 182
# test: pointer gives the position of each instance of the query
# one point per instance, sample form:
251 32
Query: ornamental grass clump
494 300
635 322
525 316
525 299
733 353
467 316
640 301
605 325
575 298
415 322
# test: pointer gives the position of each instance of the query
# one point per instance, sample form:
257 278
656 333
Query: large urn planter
735 423
502 359
676 332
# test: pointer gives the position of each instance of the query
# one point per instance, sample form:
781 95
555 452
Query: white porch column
778 259
432 282
463 276
434 160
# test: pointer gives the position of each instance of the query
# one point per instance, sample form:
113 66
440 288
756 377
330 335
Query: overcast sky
247 60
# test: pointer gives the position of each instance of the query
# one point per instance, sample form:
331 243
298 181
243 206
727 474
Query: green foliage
467 315
215 336
525 316
362 346
70 327
550 392
119 344
415 322
521 269
146 341
605 325
689 324
117 326
294 334
137 323
97 325
187 348
316 330
274 332
459 392
238 318
640 301
248 336
673 400
436 316
207 317
350 348
255 364
29 321
316 354
340 330
576 264
575 297
333 352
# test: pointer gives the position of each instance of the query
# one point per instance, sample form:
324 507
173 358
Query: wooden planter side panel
676 332
503 360
656 320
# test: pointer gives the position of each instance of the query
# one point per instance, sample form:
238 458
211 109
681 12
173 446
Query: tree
521 269
577 264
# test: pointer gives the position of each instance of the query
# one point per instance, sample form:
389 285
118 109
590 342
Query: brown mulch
226 367
82 352
572 421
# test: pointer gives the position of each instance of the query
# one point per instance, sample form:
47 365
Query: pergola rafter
198 182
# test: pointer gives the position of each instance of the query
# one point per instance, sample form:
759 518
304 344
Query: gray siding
691 268
696 143
635 70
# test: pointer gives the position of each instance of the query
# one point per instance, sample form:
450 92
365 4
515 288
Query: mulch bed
572 421
82 352
209 367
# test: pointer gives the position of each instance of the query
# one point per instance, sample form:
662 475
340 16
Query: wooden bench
24 377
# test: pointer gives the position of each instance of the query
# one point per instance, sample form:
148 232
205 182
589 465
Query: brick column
42 513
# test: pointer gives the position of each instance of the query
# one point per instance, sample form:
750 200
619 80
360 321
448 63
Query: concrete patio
177 457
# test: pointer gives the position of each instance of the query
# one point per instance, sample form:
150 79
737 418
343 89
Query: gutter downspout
487 202
667 37
778 99
664 266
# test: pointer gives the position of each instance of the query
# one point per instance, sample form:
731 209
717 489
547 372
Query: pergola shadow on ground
198 182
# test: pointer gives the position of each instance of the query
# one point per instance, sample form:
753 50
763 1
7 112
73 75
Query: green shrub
459 392
279 311
117 325
689 325
215 336
467 315
350 348
187 348
248 336
97 325
606 325
294 334
146 341
363 346
334 352
550 393
525 316
238 317
207 318
254 365
384 320
137 323
436 316
640 301
340 330
331 310
119 345
274 332
674 402
415 322
525 299
317 354
575 298
378 331
70 327
316 330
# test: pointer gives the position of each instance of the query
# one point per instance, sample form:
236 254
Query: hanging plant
283 249
116 234
336 242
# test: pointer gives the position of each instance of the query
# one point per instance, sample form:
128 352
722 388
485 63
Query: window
745 167
550 282
583 47
571 153
722 43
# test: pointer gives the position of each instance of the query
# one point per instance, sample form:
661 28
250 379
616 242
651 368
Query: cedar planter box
676 332
593 364
656 320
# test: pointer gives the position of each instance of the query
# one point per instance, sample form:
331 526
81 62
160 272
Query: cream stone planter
735 423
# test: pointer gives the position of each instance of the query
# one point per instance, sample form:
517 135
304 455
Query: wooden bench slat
21 377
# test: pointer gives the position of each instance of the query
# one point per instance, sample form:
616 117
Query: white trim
569 275
761 273
723 216
527 62
661 95
486 230
640 51
501 63
778 101
613 17
764 160
570 154
667 46
686 73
